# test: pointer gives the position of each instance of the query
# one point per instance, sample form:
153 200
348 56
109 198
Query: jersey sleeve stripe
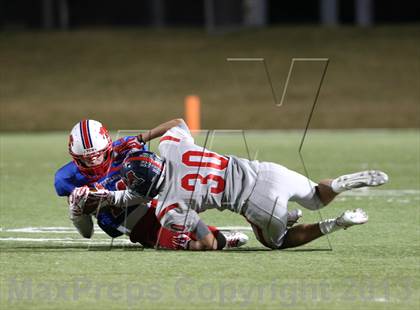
169 138
166 210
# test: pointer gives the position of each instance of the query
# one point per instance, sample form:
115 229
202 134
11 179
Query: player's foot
235 239
347 219
293 216
368 178
352 217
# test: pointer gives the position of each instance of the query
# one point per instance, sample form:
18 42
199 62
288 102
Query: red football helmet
91 148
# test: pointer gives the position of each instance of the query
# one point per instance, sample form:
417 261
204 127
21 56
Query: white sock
329 226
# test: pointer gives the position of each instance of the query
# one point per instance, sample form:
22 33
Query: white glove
77 200
181 241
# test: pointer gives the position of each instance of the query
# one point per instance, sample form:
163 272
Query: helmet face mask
93 160
91 148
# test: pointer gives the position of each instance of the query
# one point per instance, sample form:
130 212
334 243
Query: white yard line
67 240
366 191
237 228
55 230
72 230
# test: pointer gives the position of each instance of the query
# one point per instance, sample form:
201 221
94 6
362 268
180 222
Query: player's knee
314 203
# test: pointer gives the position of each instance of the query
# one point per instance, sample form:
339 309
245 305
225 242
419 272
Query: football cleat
369 178
352 217
293 216
235 239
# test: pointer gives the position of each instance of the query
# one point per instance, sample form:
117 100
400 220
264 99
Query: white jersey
197 179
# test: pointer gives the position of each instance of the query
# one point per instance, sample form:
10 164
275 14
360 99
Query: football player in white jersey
190 179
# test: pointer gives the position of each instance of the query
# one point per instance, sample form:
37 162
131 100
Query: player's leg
325 192
146 230
315 196
328 189
215 240
231 238
270 226
300 235
171 240
304 233
266 208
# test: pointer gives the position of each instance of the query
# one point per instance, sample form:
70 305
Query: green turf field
375 266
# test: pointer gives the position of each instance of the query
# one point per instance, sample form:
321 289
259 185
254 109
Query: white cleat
369 178
352 217
235 239
293 216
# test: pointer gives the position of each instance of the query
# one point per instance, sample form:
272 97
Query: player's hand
77 200
102 197
140 139
181 242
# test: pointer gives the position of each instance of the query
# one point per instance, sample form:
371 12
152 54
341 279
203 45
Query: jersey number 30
201 161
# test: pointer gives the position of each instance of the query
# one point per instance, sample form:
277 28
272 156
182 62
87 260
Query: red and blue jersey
69 177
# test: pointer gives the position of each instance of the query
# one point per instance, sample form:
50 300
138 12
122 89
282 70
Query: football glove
103 197
181 242
77 200
85 200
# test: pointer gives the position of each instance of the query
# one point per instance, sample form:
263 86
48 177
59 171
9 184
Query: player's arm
83 222
125 198
160 130
100 197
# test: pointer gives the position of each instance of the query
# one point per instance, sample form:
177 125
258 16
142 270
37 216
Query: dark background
28 13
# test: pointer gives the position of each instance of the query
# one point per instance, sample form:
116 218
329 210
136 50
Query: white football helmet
91 148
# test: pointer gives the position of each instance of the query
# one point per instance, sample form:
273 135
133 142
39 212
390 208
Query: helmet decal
104 132
133 180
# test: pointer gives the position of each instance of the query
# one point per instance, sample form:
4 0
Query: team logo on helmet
104 133
132 180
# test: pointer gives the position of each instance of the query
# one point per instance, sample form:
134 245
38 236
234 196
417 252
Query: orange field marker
192 112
